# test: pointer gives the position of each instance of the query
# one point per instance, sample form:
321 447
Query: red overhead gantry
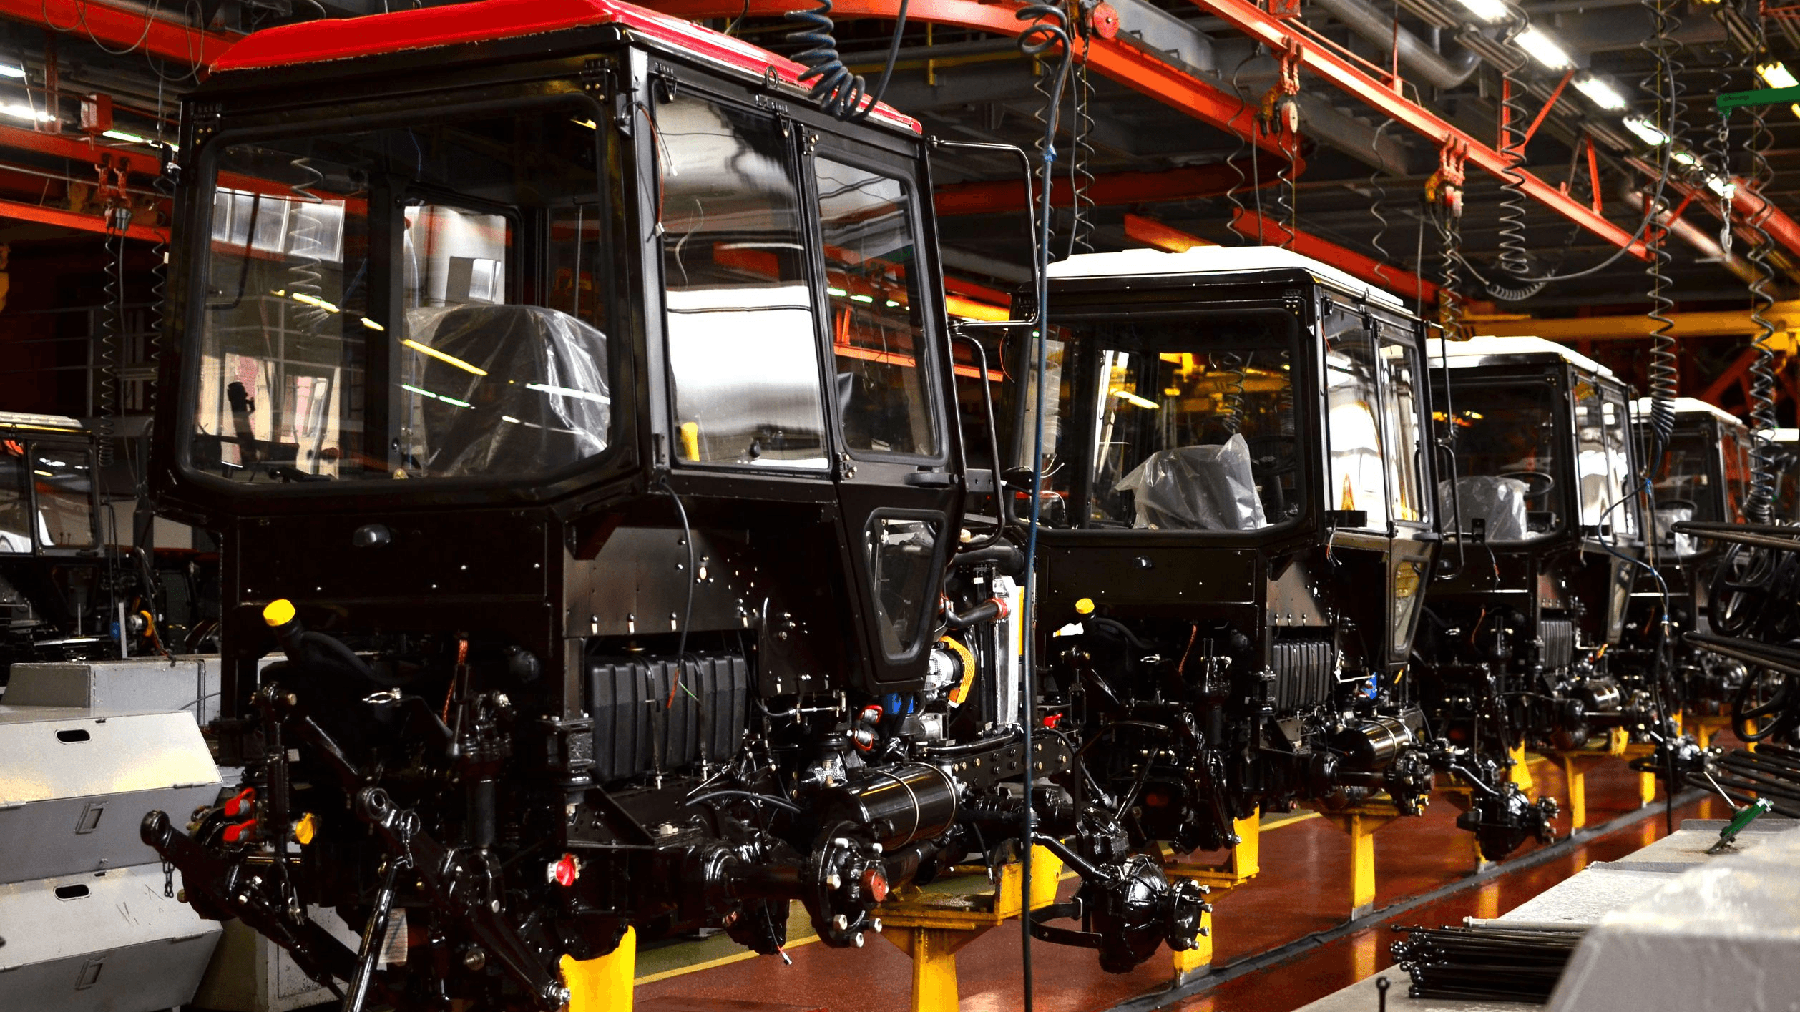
1113 58
121 26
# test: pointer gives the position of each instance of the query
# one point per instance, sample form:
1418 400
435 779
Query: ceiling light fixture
1546 50
1491 11
1645 131
8 70
19 110
1602 93
1776 75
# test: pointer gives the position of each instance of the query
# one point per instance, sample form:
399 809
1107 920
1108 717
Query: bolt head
840 922
859 939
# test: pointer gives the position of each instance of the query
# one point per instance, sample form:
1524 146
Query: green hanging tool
1739 822
1729 100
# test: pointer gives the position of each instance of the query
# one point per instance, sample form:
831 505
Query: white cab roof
26 420
1212 260
1640 408
1476 350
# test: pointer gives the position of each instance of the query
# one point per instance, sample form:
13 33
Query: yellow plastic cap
278 612
306 829
1085 606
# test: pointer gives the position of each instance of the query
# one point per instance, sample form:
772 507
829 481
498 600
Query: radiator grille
1303 674
636 729
1559 642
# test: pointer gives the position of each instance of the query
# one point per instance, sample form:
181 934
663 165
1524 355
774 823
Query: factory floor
1303 891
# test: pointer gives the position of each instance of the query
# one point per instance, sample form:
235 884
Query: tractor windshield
423 300
1176 424
1504 436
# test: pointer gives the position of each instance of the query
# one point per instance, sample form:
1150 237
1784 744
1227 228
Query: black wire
1046 32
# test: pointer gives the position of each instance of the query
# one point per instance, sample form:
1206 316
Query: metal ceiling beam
1341 73
120 26
1726 323
1114 58
77 148
1156 235
16 211
1267 230
1111 189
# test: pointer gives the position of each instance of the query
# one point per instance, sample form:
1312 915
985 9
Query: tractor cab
1540 576
71 587
571 397
1237 529
1705 476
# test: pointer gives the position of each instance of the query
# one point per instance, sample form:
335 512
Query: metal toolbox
109 942
139 685
75 784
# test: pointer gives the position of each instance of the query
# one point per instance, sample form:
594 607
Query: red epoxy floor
1303 888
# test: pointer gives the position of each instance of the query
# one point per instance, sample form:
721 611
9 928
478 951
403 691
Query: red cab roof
494 20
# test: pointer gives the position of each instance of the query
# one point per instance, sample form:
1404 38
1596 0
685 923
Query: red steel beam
69 219
1109 190
1157 235
119 26
1341 73
1113 58
76 148
1246 223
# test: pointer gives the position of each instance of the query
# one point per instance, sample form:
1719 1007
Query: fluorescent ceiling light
1544 49
129 138
19 110
1645 132
1776 75
1602 93
425 349
1685 158
1721 187
8 70
1487 10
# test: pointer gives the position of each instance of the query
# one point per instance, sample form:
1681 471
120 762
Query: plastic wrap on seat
540 402
1500 502
1207 488
1665 518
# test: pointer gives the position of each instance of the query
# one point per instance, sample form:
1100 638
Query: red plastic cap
240 803
1053 720
567 870
875 884
241 832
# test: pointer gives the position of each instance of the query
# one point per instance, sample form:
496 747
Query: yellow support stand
931 927
1362 822
1240 866
1521 769
604 984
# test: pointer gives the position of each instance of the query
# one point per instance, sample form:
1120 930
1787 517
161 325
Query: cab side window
1357 477
877 330
743 349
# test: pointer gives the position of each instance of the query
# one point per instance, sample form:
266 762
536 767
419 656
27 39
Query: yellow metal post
603 984
1521 770
1239 867
931 927
1361 822
1362 867
933 952
1577 781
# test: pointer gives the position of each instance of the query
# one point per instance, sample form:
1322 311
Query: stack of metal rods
1486 963
1772 772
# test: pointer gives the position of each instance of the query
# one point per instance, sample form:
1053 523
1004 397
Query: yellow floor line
736 957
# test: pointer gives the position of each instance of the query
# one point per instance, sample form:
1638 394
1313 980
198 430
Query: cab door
897 470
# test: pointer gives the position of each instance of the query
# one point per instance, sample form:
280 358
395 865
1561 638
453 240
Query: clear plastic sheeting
1723 937
1498 502
504 390
1665 518
1207 488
